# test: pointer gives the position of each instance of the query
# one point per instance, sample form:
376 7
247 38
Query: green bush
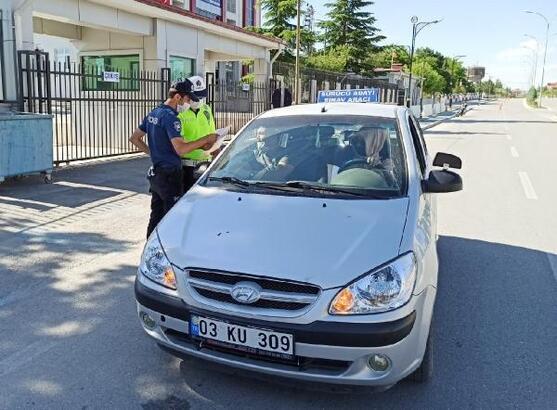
532 97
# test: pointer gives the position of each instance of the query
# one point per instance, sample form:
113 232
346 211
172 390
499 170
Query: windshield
331 153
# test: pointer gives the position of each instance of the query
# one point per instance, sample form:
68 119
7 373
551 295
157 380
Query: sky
491 33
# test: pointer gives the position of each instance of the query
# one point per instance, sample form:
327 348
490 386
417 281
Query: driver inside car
285 156
372 145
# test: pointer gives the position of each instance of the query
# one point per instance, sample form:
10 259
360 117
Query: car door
425 233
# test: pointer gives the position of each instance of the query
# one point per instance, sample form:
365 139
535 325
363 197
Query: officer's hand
211 139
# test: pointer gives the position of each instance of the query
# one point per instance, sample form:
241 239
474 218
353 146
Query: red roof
161 4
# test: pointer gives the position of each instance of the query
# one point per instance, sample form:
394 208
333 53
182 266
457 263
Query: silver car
307 249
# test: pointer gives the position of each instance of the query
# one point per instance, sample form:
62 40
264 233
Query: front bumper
328 352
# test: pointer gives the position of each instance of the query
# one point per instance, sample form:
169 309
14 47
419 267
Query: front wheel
424 373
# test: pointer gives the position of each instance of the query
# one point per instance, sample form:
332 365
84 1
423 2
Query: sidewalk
432 121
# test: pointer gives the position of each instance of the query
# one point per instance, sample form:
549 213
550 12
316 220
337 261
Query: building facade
188 36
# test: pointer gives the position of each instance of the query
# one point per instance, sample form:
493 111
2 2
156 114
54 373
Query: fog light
147 320
379 362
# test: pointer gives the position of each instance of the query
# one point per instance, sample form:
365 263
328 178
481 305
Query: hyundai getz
306 250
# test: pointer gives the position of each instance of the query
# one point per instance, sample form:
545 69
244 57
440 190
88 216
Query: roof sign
361 95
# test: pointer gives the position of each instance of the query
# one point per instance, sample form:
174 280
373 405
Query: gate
94 109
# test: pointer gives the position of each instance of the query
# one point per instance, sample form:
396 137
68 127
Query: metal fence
92 118
236 103
312 81
95 113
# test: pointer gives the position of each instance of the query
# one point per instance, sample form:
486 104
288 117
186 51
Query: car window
333 151
419 147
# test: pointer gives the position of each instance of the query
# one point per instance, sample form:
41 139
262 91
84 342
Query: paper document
222 132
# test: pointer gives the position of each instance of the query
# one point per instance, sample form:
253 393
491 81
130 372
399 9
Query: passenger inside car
363 154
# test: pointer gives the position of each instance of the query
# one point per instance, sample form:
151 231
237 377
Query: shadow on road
494 329
77 186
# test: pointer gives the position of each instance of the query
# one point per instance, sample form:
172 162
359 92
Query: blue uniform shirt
162 125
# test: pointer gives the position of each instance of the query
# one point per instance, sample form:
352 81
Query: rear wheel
423 373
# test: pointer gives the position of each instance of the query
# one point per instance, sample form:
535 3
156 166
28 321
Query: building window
231 6
249 13
126 65
231 21
209 8
181 67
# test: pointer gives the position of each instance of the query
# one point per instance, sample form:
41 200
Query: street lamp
417 26
545 52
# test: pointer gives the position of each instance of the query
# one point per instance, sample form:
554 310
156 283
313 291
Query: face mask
183 107
195 105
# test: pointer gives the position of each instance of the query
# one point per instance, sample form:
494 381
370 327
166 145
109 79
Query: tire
425 372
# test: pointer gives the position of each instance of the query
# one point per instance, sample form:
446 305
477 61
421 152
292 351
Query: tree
433 81
387 55
335 59
280 18
348 25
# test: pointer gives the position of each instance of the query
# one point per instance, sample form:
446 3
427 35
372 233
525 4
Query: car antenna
324 108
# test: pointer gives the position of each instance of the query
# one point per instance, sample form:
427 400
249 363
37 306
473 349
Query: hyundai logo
246 292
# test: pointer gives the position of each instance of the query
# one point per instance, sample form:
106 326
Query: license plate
241 337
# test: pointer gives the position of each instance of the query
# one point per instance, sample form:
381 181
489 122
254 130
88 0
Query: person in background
163 128
197 121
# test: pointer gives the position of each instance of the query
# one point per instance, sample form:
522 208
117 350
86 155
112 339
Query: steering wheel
351 163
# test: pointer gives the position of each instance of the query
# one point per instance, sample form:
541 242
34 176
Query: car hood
323 241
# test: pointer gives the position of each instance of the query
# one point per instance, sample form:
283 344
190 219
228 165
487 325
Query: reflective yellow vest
196 126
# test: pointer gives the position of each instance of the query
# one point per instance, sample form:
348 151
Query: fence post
21 102
313 91
165 82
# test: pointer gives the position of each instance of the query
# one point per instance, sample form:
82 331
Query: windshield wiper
326 188
230 180
308 186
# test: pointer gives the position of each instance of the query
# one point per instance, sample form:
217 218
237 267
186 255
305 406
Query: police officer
163 128
197 121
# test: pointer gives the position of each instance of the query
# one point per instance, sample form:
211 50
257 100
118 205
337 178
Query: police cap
184 87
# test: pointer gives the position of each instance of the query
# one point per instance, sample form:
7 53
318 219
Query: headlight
155 265
385 289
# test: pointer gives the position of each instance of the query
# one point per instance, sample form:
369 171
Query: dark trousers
189 178
166 188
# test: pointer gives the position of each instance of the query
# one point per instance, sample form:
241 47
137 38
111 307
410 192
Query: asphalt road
70 337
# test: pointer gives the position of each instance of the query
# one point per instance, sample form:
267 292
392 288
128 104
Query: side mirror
200 170
447 161
442 181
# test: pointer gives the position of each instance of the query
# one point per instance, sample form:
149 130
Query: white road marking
527 186
553 263
514 152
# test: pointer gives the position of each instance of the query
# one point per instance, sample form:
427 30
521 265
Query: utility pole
297 68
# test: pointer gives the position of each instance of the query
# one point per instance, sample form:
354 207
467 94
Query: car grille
301 363
275 294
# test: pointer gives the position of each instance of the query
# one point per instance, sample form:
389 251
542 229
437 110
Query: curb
436 123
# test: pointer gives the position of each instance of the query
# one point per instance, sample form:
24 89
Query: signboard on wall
210 6
363 95
111 77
